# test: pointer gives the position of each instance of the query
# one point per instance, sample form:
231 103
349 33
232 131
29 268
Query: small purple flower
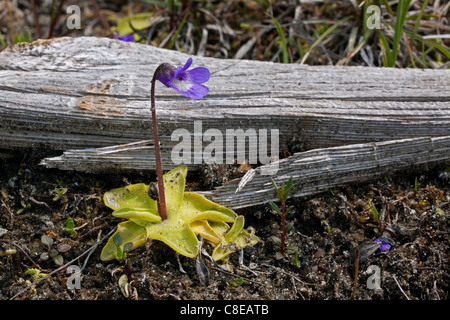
127 38
186 82
384 246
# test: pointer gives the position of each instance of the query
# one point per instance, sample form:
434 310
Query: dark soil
320 263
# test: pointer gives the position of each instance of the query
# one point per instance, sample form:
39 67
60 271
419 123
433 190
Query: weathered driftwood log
313 171
93 94
319 170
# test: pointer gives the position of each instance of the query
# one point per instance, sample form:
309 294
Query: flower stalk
161 198
188 83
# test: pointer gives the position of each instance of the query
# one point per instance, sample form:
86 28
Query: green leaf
58 259
275 208
204 229
188 214
45 239
132 196
128 247
237 282
374 210
129 232
274 184
197 207
139 21
117 239
289 186
283 43
44 256
236 228
138 215
176 234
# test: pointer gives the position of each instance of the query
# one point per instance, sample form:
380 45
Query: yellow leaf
139 21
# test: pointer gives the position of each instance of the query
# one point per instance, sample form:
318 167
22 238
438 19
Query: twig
20 249
398 284
55 19
88 251
102 19
36 19
434 269
11 20
39 202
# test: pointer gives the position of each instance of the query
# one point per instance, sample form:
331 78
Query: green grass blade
402 10
323 36
432 43
416 27
283 43
175 36
387 57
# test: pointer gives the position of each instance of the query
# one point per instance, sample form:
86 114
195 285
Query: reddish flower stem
283 228
161 200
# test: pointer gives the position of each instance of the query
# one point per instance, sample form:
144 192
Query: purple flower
384 246
186 82
127 38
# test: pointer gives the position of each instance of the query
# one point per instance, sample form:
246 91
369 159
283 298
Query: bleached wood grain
94 92
90 98
318 170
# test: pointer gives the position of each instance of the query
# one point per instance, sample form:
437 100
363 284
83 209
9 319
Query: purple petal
127 38
164 80
199 74
384 246
180 70
187 82
187 64
197 91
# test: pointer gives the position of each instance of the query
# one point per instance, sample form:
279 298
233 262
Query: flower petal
182 86
196 91
199 75
127 38
187 64
163 79
180 70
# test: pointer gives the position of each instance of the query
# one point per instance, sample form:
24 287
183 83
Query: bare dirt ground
324 232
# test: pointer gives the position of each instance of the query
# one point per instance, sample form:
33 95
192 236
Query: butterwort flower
127 38
187 82
384 246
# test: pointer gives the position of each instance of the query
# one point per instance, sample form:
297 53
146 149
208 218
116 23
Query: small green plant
70 227
35 273
237 282
23 37
24 207
189 215
53 253
283 211
330 230
374 211
121 253
60 194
